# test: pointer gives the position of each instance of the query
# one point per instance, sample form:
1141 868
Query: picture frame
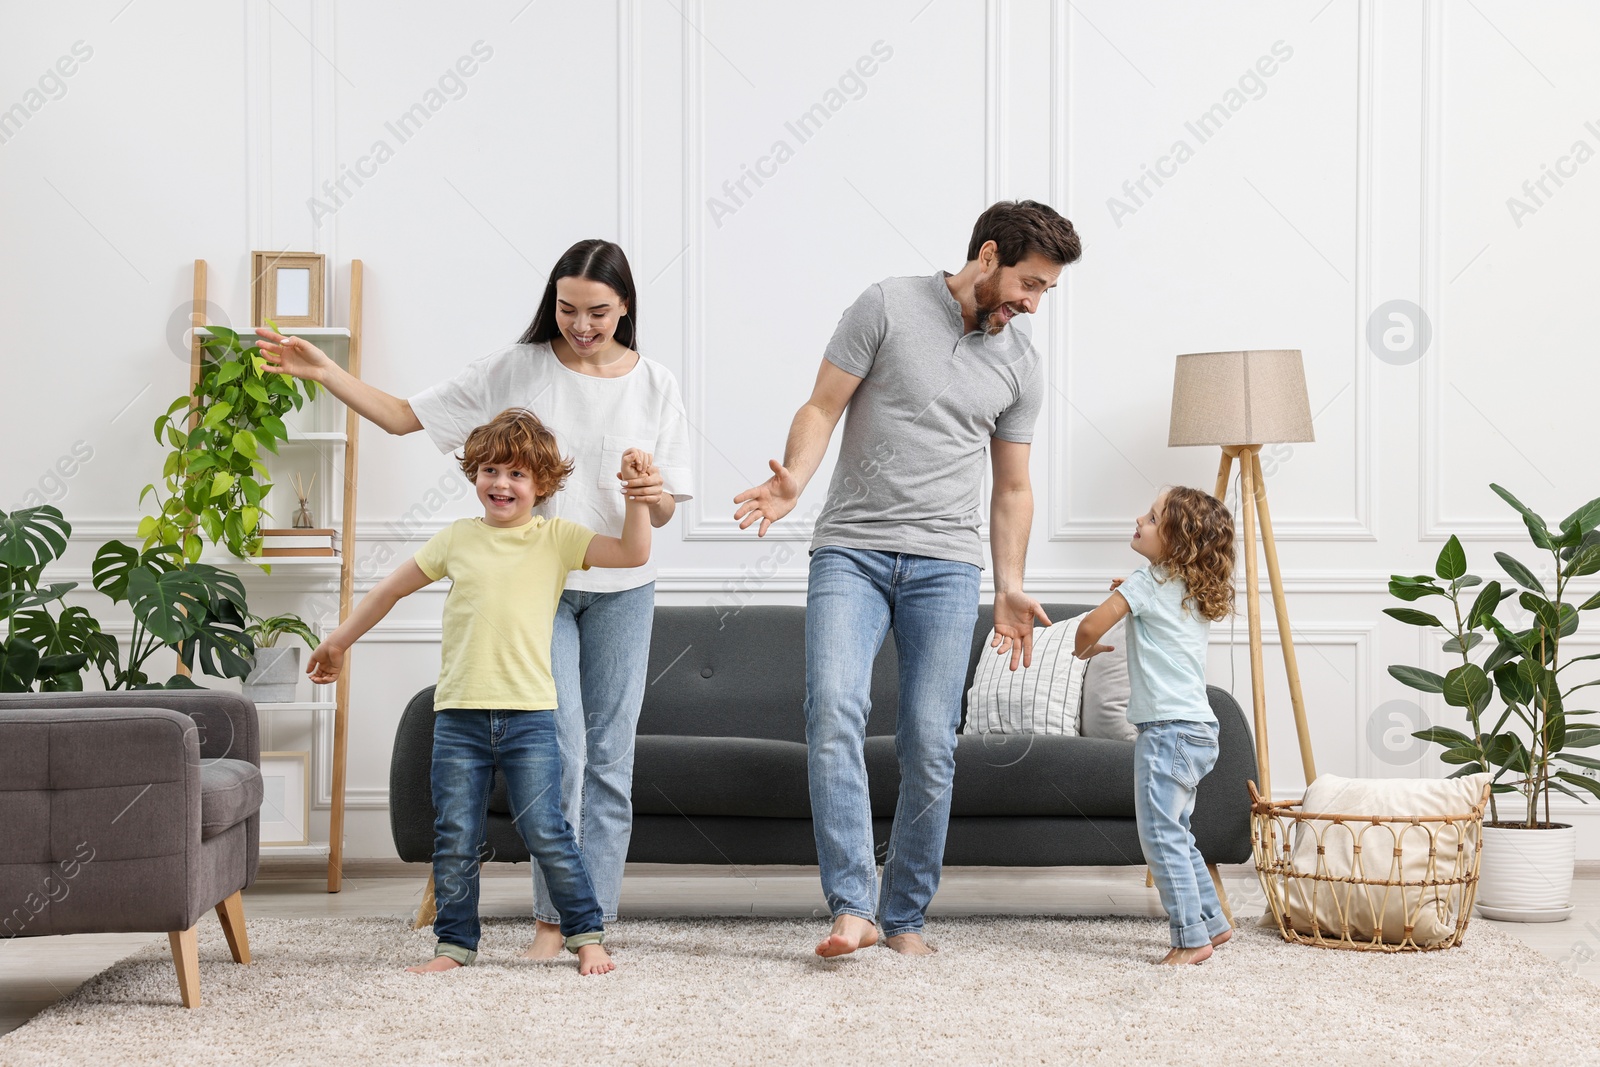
285 799
287 288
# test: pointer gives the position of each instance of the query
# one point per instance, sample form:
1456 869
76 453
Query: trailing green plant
43 649
214 479
265 632
195 608
1523 669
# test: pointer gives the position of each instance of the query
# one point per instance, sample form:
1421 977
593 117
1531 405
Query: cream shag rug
1045 990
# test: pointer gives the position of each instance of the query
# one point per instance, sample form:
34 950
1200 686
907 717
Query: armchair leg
428 910
231 912
1222 894
186 959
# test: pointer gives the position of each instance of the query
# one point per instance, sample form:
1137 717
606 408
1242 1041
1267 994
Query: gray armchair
127 812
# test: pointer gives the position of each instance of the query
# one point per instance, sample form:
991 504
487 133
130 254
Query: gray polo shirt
916 433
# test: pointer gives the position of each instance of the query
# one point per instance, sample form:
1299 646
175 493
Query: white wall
1374 164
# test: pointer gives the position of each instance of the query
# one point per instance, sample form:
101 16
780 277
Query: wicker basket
1387 913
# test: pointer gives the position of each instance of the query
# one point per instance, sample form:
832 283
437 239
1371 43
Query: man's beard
988 301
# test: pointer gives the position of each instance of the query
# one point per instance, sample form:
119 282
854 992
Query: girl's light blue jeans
854 597
599 653
1169 759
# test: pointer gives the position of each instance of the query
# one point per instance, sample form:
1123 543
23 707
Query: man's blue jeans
1169 759
599 652
853 599
468 745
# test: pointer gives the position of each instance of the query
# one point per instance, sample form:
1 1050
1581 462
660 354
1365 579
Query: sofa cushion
1020 775
1039 698
1106 690
230 792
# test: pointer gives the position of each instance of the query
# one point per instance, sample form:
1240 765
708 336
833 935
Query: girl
577 368
1187 536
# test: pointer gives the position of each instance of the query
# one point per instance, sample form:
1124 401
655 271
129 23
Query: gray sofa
720 764
129 812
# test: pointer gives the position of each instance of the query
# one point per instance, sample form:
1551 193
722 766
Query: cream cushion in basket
1039 699
1381 910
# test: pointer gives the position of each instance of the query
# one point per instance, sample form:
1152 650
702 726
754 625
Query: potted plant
275 670
41 649
1527 858
197 609
214 478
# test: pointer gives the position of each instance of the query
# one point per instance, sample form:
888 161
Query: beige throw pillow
1105 690
1375 909
1040 699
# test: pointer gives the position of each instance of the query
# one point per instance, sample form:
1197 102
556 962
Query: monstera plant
42 647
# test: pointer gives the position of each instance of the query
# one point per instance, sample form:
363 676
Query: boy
507 570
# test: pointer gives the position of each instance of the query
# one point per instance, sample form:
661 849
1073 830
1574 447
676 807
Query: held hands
640 477
294 356
771 501
1013 626
327 660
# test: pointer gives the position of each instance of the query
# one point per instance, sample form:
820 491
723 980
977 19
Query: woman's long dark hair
598 261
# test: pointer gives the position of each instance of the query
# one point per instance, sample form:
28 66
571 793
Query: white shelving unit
323 440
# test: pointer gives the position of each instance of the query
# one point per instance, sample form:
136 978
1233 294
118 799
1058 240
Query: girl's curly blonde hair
517 438
1197 529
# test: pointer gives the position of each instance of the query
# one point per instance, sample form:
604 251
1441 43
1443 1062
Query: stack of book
298 543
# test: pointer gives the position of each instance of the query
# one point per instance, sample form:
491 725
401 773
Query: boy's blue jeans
599 653
1169 759
854 597
468 745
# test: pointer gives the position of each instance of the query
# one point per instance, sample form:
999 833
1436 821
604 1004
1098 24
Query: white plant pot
1528 871
275 677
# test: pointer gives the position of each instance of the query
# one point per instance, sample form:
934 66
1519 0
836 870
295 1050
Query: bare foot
1180 956
593 959
1222 938
849 933
547 943
434 966
910 945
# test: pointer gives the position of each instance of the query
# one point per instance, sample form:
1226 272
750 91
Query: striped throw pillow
1040 699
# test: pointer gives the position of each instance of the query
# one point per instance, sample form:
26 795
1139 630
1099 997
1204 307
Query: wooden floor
37 971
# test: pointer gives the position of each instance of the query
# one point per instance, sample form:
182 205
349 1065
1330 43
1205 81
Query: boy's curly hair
1198 531
516 438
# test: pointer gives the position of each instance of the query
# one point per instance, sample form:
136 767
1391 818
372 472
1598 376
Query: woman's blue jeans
855 597
468 745
1169 759
599 653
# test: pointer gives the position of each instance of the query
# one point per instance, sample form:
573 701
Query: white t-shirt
594 420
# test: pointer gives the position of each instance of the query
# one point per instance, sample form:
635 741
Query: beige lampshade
1240 398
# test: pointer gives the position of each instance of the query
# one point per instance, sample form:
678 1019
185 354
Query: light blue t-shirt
1166 650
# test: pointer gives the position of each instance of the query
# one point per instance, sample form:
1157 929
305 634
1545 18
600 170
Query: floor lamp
1241 401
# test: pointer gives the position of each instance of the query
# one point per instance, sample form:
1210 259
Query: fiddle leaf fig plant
1523 668
214 479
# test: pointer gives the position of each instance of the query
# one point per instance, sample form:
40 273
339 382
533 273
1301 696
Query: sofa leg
427 911
231 912
186 959
1222 894
1149 878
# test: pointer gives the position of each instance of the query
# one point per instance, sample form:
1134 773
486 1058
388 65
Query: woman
575 367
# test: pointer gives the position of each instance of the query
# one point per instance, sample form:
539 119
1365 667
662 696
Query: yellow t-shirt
499 614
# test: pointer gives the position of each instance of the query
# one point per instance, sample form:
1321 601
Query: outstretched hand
327 661
294 356
769 501
1013 626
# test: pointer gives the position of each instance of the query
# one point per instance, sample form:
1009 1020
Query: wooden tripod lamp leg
1252 581
1291 666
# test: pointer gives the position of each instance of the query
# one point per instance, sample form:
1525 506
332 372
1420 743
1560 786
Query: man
932 371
